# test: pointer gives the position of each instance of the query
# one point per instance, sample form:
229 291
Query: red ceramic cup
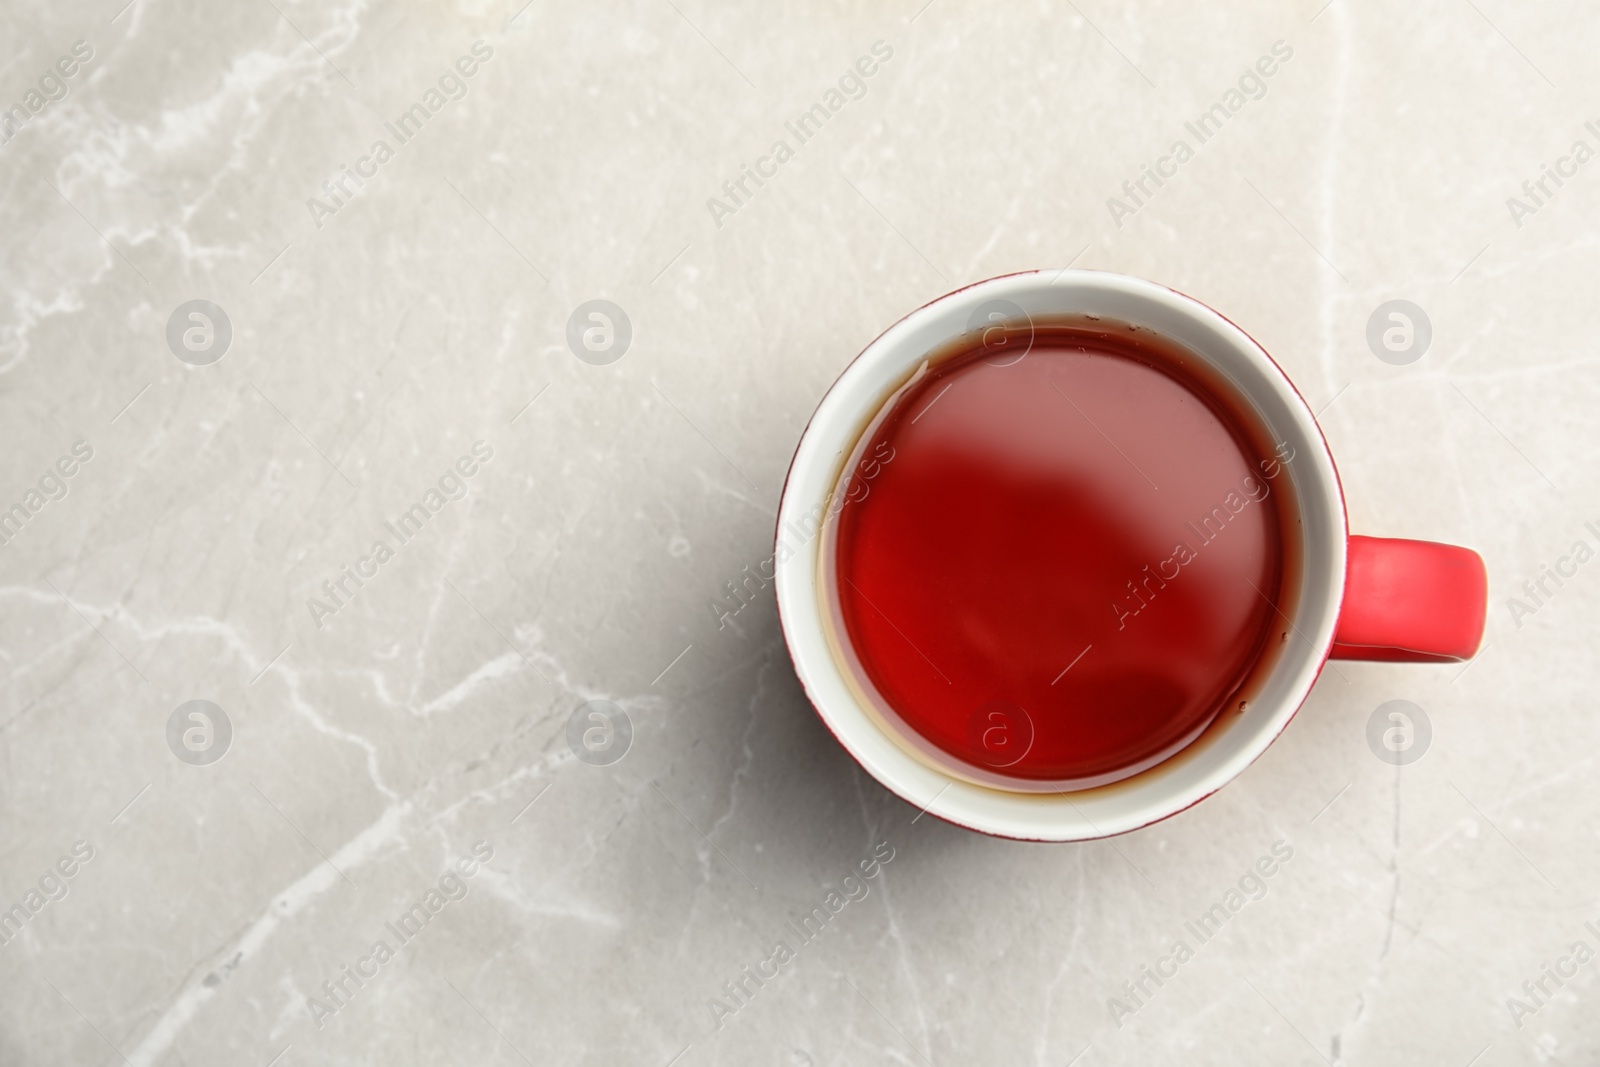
1355 597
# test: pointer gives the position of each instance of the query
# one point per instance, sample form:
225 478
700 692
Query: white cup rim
1223 751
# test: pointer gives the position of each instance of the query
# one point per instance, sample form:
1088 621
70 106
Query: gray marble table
285 281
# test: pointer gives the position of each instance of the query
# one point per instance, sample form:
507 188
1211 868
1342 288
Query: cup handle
1411 602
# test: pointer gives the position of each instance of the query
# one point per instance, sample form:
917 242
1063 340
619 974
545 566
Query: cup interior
990 803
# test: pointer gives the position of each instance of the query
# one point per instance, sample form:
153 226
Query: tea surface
1070 565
